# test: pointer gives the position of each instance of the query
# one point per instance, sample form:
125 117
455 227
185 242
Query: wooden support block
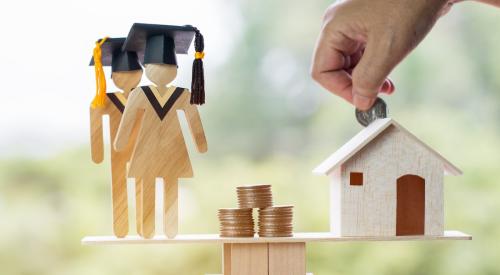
246 259
287 258
226 258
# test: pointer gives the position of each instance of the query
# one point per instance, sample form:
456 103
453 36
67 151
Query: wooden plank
248 259
298 237
287 258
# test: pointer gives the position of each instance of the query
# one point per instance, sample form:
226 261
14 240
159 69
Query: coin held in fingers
378 110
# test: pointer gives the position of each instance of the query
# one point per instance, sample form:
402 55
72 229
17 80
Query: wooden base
264 258
298 237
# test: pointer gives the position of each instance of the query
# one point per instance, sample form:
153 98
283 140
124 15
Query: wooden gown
160 150
115 105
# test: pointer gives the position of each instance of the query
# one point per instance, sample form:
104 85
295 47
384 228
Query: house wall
370 210
335 202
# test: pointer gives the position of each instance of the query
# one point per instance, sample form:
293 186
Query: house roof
365 137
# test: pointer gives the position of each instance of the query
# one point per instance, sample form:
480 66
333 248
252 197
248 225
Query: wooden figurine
126 75
386 182
160 150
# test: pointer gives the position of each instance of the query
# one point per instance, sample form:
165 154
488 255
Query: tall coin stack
256 196
276 221
236 222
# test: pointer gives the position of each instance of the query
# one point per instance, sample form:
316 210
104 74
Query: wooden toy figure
126 75
160 150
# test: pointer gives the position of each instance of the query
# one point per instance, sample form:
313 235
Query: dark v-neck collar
116 101
162 111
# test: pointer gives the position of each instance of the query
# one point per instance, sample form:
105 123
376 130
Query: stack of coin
236 222
256 196
276 221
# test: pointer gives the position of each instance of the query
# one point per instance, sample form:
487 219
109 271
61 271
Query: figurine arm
96 135
194 122
128 120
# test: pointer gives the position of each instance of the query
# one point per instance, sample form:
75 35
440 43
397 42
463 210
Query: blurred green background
267 122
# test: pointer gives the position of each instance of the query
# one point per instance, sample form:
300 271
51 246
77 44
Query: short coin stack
276 221
256 196
236 222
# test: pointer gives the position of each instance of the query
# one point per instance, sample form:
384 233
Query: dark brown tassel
198 77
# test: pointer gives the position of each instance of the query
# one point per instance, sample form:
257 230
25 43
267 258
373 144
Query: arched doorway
410 210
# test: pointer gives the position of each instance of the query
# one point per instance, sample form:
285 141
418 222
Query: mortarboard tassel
198 77
100 79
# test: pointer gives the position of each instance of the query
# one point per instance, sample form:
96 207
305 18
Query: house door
410 216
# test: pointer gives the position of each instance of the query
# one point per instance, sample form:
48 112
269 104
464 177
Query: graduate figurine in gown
160 150
126 75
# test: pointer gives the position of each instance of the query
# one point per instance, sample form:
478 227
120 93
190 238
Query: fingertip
361 102
387 87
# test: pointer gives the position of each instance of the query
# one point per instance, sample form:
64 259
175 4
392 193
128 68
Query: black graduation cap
114 56
158 44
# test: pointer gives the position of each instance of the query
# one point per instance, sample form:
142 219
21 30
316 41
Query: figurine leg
148 207
119 198
170 207
138 205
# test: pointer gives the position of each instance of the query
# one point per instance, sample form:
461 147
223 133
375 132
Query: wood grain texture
138 205
125 81
171 207
298 237
364 137
370 210
336 202
287 258
118 161
226 258
147 199
248 259
160 150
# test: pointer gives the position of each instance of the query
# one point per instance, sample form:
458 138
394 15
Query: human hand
361 41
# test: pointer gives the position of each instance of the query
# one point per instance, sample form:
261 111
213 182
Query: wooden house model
386 182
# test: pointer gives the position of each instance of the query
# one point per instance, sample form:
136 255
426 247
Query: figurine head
127 80
161 74
125 67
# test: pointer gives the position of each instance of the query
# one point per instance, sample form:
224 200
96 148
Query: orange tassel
100 79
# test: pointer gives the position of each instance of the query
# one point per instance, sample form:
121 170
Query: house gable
365 137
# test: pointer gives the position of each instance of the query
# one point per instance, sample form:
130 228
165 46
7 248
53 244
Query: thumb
371 72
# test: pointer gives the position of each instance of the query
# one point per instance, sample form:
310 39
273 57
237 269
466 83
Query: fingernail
362 102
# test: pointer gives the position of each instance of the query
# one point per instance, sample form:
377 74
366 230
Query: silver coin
378 110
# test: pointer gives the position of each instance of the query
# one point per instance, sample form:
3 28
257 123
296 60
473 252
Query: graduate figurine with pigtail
160 150
126 75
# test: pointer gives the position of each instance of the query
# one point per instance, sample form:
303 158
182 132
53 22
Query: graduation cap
159 44
113 55
108 52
